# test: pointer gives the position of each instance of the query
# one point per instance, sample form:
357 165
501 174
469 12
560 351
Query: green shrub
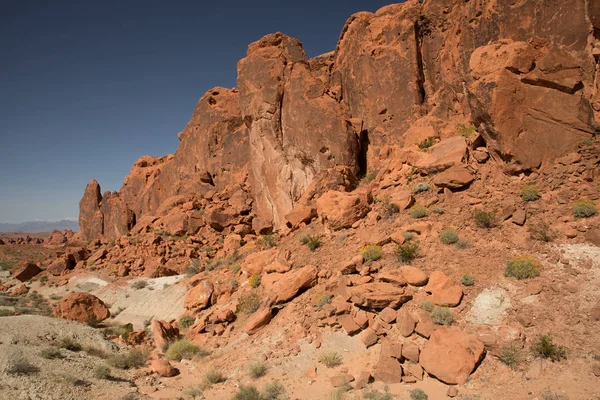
485 218
43 279
182 350
418 211
371 252
407 236
21 367
193 268
268 241
69 344
529 193
186 321
407 252
462 244
370 177
330 358
7 265
95 352
584 208
510 354
248 303
541 231
376 395
273 391
466 130
312 242
441 316
51 353
427 143
588 142
418 394
214 376
247 393
102 372
254 280
323 299
257 368
426 305
543 347
137 285
522 267
389 209
236 267
467 280
438 210
448 237
421 187
6 313
134 358
548 394
193 392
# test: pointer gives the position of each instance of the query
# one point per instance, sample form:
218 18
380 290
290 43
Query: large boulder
25 270
82 307
340 210
199 297
285 287
451 355
379 295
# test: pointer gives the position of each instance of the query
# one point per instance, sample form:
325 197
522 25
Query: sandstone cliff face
521 76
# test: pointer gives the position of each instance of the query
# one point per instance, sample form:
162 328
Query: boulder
413 275
82 307
163 333
388 370
451 355
405 322
163 368
340 210
25 270
285 287
443 155
199 297
58 267
379 295
454 177
444 291
257 320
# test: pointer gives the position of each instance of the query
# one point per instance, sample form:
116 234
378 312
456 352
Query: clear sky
87 87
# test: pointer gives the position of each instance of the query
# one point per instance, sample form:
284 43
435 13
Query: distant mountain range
39 226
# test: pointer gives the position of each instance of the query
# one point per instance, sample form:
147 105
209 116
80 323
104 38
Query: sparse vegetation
377 395
192 392
186 321
330 358
214 376
21 367
467 280
407 236
541 231
418 211
511 355
69 344
548 394
6 313
254 280
51 353
462 244
134 358
312 242
268 241
544 347
421 187
43 280
249 392
588 142
273 391
371 252
427 143
530 193
389 209
102 372
95 352
522 267
193 268
407 252
466 130
441 316
485 218
137 285
368 178
323 299
236 267
448 237
248 303
438 210
584 208
7 265
257 368
418 394
426 305
182 350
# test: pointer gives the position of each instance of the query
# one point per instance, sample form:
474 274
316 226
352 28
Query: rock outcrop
83 307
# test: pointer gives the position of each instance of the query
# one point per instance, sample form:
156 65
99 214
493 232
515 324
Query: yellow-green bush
523 266
584 208
371 252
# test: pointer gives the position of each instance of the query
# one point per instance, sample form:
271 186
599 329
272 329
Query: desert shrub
192 392
427 143
407 252
484 218
529 193
43 280
273 391
543 347
418 394
548 394
130 396
7 265
21 367
510 354
588 142
438 210
462 244
368 178
441 316
6 313
541 231
470 397
236 267
371 252
376 395
248 303
186 321
418 211
323 299
102 372
69 344
389 209
407 236
213 376
137 285
249 392
134 358
312 242
193 268
448 237
181 350
426 305
268 241
122 331
254 280
95 352
467 280
522 267
215 263
584 208
330 358
466 130
257 368
421 187
51 353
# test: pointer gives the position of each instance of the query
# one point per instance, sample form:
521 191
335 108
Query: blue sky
87 87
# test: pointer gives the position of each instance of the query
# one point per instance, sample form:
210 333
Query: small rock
452 391
369 337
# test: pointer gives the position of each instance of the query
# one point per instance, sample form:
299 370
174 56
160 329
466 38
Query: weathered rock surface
82 307
25 270
379 295
285 287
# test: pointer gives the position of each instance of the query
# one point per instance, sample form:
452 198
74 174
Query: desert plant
529 193
548 394
254 280
584 208
427 143
248 303
312 242
466 130
133 358
544 347
95 351
43 280
181 350
418 211
448 237
192 268
236 267
407 252
485 218
192 392
102 372
421 187
376 395
368 178
522 267
438 210
330 358
541 231
51 353
137 285
268 241
407 236
323 299
389 209
510 354
21 367
588 142
441 316
257 368
371 252
273 391
213 376
418 394
249 392
186 321
462 244
6 313
467 280
426 305
7 265
69 344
